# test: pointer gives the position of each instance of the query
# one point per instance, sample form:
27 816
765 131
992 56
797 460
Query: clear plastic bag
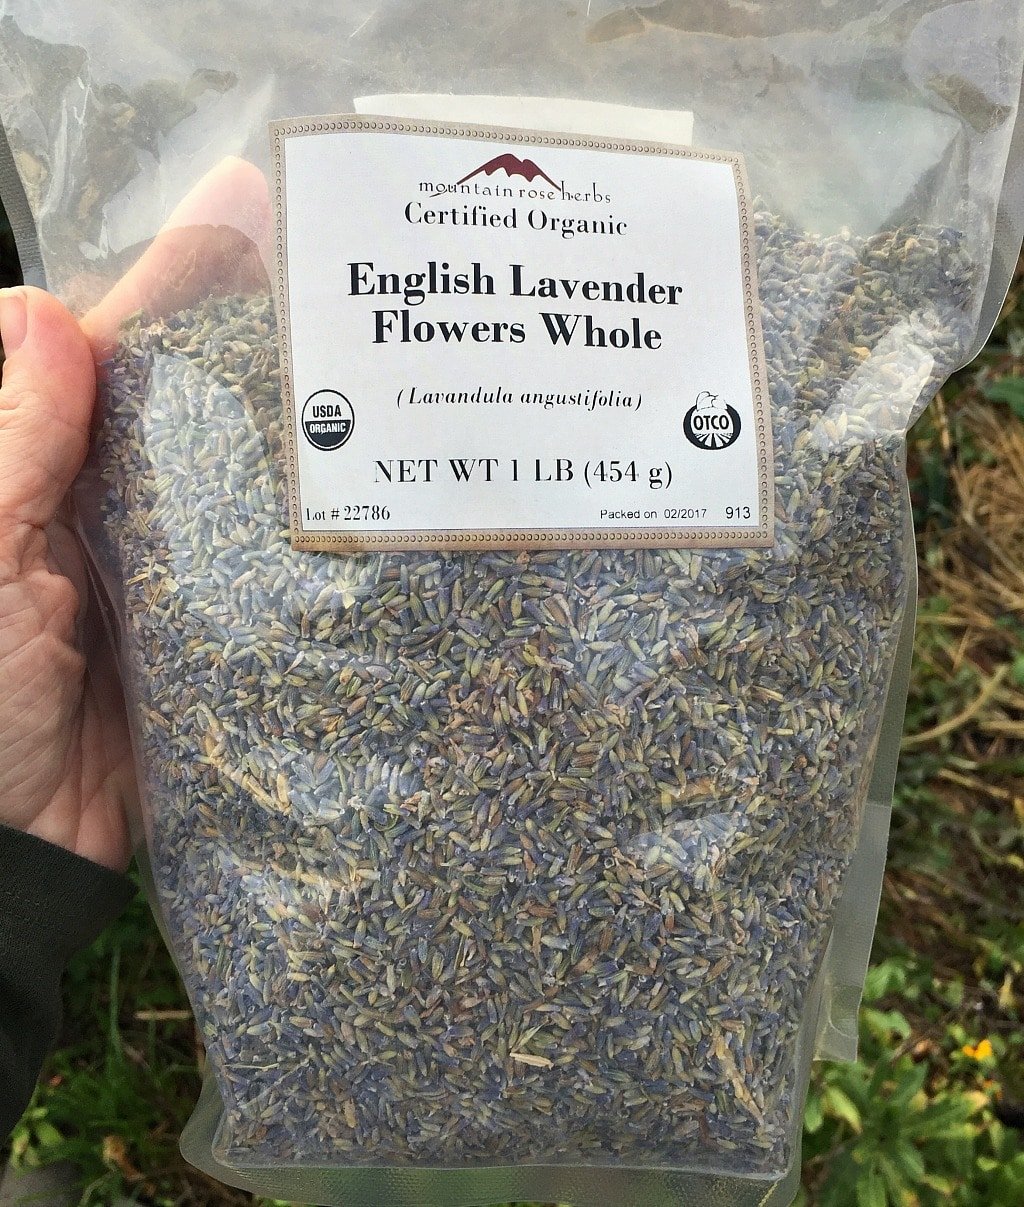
505 874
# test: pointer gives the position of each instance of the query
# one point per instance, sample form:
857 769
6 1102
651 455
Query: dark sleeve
52 903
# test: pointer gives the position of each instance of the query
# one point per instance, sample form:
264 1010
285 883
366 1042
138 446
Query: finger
46 401
110 792
66 556
234 193
214 243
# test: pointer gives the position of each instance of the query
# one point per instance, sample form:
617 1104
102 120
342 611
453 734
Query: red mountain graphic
512 166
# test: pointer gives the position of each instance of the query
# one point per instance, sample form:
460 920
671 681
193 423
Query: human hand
65 761
66 771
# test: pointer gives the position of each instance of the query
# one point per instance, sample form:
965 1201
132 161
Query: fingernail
13 319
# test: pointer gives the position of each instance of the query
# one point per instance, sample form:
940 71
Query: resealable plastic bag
539 863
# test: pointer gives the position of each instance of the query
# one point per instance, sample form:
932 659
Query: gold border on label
532 538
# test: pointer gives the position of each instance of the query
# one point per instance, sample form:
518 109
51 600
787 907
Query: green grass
915 1121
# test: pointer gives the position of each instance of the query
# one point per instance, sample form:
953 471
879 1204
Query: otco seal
711 423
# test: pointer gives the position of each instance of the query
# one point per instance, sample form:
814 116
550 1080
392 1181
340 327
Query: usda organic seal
711 423
327 420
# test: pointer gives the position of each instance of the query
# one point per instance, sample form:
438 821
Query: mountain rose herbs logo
511 165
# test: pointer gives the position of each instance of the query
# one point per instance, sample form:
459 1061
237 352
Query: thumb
46 401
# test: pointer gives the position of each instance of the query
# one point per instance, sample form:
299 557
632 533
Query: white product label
516 339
